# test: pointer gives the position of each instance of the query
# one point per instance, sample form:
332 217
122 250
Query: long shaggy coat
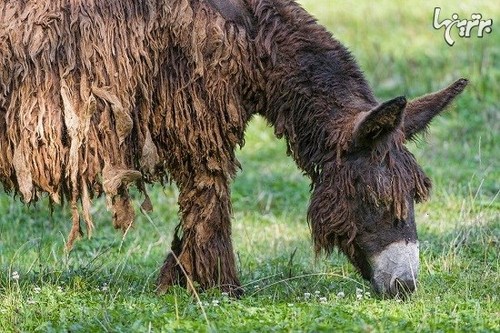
97 95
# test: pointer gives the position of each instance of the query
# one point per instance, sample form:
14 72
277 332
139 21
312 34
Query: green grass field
106 284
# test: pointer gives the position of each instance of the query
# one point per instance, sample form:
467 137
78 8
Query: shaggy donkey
97 95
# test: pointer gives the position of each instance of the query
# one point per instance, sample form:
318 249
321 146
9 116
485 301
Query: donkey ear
379 122
420 111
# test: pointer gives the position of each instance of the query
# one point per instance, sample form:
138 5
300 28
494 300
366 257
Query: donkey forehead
391 159
388 175
387 169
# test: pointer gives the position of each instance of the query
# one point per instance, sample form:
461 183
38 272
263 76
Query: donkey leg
202 252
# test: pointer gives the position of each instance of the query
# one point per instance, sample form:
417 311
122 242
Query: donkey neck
313 88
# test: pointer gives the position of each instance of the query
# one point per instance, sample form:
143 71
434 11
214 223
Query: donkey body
95 95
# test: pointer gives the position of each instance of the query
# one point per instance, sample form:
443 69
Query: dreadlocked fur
98 95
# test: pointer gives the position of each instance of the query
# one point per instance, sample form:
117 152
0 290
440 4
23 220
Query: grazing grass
107 283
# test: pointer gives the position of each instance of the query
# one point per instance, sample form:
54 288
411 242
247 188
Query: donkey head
363 200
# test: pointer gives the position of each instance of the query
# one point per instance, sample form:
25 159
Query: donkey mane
313 75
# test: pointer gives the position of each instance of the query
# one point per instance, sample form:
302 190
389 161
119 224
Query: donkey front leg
202 253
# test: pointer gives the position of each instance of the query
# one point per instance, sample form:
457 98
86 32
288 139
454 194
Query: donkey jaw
395 269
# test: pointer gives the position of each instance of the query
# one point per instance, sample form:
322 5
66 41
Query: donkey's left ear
420 111
379 122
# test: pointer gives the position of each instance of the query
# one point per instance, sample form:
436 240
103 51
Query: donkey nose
395 269
402 286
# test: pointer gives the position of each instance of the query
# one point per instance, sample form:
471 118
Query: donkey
97 95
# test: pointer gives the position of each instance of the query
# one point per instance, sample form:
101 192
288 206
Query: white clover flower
359 291
307 295
104 287
359 296
15 276
37 290
341 294
225 294
322 300
215 302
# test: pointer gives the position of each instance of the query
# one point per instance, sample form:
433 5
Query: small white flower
290 304
367 294
30 301
341 294
225 294
60 289
359 291
359 296
322 299
317 292
215 302
37 290
307 295
15 276
104 287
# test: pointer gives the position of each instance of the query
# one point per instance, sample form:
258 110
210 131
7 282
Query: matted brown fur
98 95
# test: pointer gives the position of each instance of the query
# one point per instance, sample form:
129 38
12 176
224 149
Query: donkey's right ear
377 123
420 111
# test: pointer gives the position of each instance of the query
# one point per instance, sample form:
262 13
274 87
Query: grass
107 283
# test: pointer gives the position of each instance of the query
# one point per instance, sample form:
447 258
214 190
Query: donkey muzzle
395 269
